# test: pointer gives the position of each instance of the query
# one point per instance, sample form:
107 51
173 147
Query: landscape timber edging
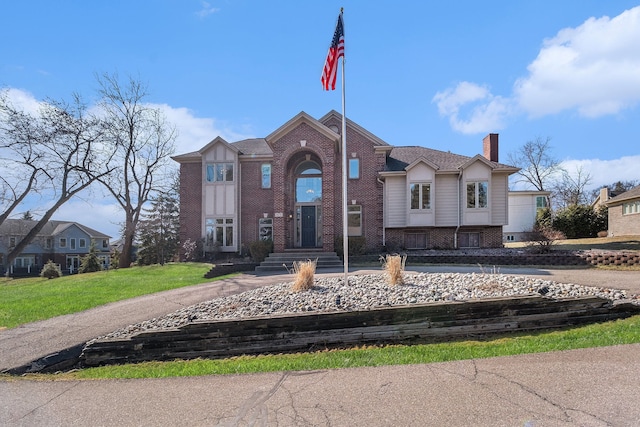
430 322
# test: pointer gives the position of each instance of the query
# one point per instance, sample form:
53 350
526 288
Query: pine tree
158 231
90 262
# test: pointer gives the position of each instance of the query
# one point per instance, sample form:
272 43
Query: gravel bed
366 292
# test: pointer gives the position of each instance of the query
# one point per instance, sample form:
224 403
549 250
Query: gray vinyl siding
446 203
499 200
396 202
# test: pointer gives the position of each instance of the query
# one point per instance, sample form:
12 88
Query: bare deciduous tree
571 188
21 156
142 141
537 165
68 140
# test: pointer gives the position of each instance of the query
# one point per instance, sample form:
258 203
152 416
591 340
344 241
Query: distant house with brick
63 242
287 187
624 213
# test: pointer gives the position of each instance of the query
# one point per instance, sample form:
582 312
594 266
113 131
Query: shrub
260 249
579 221
90 262
394 268
357 246
541 238
304 271
51 270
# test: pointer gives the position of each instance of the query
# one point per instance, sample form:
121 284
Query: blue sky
440 75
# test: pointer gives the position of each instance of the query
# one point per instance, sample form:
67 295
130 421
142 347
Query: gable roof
299 118
401 157
634 193
333 114
20 227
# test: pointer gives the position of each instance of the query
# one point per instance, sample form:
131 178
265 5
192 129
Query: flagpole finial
341 9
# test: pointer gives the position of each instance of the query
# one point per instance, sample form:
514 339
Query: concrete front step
284 260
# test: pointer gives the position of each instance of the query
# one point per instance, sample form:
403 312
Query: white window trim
476 195
421 184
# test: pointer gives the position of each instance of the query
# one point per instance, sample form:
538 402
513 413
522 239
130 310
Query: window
477 194
72 243
541 202
354 220
415 240
510 238
48 243
469 240
220 172
631 208
265 228
24 261
12 241
218 232
308 183
63 242
105 243
420 196
354 168
266 175
82 243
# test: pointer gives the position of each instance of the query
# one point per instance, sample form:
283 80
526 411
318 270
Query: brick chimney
490 147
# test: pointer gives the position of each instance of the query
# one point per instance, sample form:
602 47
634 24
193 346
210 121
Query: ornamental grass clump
304 271
394 268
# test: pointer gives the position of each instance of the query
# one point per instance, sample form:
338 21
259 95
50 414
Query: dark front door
308 226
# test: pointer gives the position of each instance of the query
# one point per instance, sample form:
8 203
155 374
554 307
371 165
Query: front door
308 226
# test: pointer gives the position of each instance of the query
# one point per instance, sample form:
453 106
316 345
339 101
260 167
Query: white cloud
206 10
593 68
484 112
23 100
605 172
195 132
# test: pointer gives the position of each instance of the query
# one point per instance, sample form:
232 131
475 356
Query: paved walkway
588 387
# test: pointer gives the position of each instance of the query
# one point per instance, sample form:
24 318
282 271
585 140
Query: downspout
455 234
239 205
384 239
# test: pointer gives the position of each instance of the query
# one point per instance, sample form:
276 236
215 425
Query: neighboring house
624 213
64 242
602 198
523 209
288 187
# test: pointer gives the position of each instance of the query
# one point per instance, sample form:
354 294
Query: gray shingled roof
20 227
257 146
631 194
401 157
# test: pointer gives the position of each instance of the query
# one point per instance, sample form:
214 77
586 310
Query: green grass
625 331
603 243
31 299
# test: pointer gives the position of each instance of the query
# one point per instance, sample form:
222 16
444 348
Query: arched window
308 182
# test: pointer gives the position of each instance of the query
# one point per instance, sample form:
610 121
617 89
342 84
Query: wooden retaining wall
432 322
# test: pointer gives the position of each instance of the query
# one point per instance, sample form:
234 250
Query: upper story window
63 242
105 243
82 243
265 170
72 243
477 194
354 168
48 243
12 241
631 208
420 196
219 172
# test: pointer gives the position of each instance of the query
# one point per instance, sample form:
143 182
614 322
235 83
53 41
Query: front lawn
31 299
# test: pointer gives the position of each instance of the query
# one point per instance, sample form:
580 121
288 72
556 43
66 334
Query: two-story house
63 242
288 187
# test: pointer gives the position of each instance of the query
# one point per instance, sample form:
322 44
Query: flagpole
345 221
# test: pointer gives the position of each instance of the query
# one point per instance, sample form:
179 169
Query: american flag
336 51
